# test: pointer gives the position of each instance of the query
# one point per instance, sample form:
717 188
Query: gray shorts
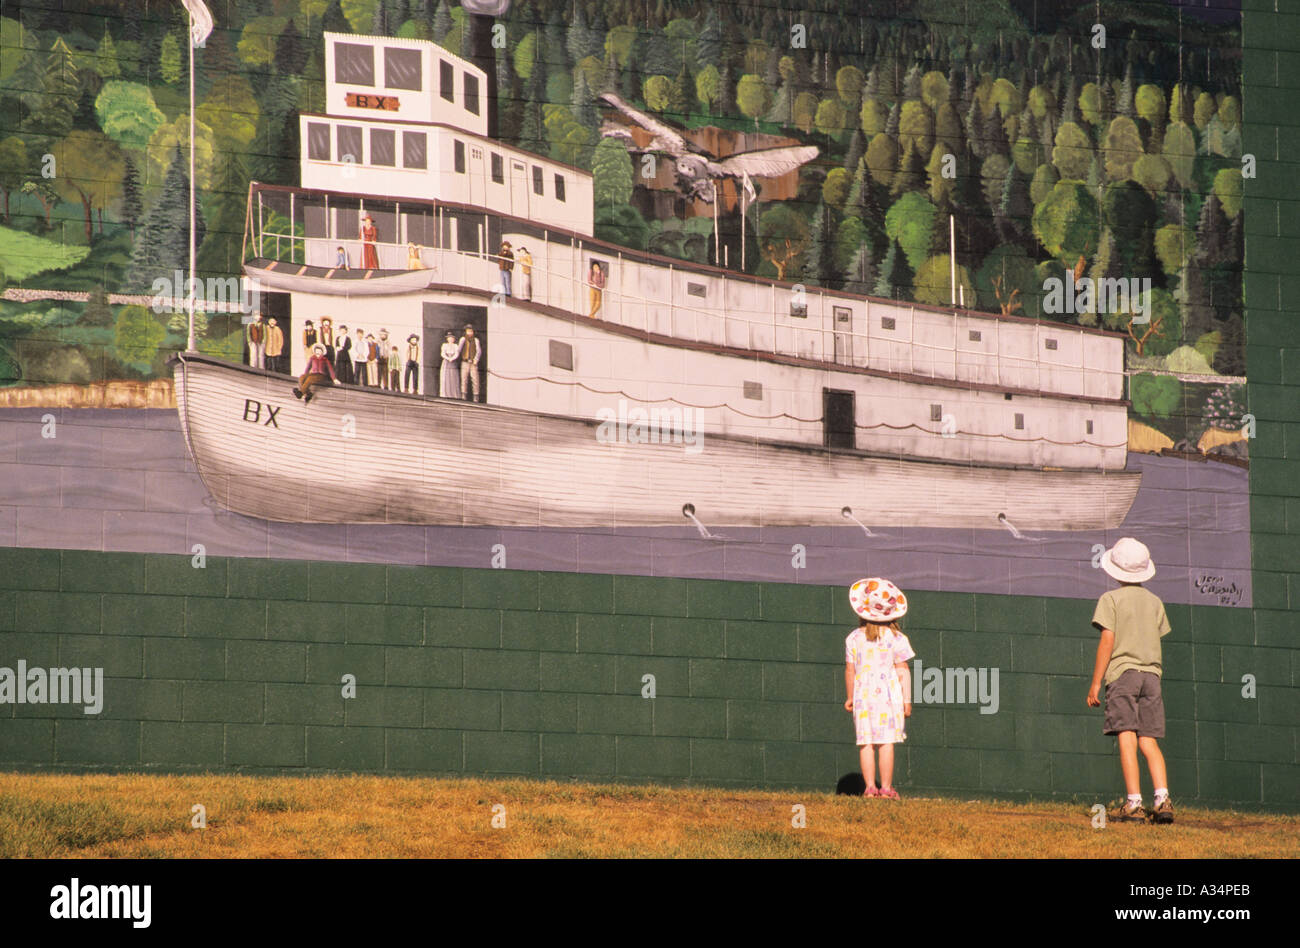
1133 703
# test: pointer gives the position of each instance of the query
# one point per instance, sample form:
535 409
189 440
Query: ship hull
361 456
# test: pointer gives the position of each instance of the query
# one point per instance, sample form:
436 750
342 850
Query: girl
876 679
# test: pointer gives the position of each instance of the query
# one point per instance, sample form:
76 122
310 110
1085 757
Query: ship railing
566 287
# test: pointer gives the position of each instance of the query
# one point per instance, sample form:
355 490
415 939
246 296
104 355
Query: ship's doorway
518 189
843 337
443 318
277 306
476 176
839 419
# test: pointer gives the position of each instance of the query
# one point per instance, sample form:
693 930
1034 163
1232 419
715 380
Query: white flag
749 188
200 21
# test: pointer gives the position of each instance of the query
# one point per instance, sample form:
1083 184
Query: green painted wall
239 665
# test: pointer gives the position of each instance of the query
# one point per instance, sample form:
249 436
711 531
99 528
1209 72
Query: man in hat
506 263
471 353
318 369
274 346
411 380
1132 621
382 357
360 354
257 342
343 356
372 361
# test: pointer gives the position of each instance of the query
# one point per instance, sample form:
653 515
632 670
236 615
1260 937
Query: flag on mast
200 21
749 187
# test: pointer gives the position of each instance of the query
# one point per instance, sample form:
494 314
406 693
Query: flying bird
697 172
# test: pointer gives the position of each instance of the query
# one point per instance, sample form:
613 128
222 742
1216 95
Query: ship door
477 183
843 335
518 189
839 419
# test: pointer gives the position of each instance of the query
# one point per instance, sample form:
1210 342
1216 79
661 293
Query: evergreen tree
333 20
55 105
596 35
912 83
726 93
379 25
578 40
895 280
910 176
1124 105
97 311
219 252
891 123
994 133
583 105
441 21
106 63
681 93
857 148
630 87
164 244
818 259
532 129
708 46
1212 246
290 55
860 275
131 204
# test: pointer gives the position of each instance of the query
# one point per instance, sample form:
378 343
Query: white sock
1135 799
1162 793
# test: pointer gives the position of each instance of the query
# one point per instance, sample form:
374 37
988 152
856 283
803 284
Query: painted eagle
697 172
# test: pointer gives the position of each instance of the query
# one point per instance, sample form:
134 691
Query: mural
662 288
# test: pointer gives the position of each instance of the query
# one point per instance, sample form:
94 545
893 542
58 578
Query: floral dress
877 693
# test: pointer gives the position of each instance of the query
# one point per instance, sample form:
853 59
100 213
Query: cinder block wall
240 665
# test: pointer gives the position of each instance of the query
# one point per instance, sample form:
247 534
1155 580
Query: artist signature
1228 593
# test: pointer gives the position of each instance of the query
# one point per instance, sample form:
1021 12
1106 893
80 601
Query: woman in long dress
449 377
369 253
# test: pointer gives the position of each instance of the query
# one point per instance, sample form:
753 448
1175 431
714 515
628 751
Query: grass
24 255
131 815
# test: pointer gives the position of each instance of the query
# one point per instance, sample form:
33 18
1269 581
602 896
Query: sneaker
890 794
1162 812
1130 813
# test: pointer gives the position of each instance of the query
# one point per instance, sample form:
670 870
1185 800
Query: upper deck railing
761 316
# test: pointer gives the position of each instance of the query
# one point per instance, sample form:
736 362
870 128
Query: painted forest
1098 139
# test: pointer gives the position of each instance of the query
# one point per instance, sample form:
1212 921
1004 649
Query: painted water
121 480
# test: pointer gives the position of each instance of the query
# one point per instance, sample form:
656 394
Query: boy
1132 621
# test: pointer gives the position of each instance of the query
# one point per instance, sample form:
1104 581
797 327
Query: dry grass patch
365 817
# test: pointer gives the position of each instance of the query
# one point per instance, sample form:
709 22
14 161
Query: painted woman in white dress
449 377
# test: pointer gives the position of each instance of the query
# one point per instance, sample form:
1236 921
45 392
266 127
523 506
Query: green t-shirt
1137 617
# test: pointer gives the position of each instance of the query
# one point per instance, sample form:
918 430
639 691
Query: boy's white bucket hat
1128 561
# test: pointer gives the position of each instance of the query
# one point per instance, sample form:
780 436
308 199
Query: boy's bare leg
1128 761
867 755
1155 761
886 766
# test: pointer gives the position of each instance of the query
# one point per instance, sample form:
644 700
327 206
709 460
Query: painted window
754 390
886 322
446 80
354 64
537 179
318 141
415 153
349 143
561 355
383 147
1020 422
975 335
459 157
498 168
559 187
402 69
471 93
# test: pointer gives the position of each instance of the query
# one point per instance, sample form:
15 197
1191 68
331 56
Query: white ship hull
358 455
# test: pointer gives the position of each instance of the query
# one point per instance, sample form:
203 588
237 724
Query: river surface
122 481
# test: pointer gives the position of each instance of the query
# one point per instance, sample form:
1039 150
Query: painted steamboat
673 387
